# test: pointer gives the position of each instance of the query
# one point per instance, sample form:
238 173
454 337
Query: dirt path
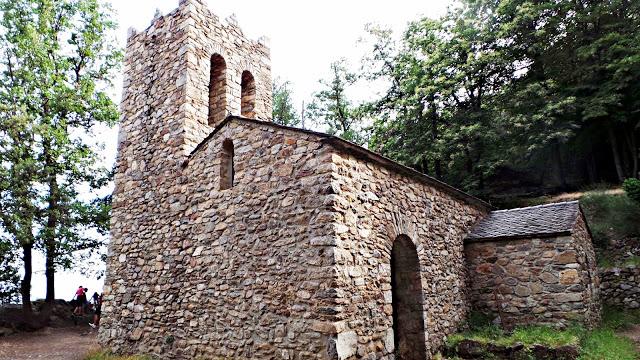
50 343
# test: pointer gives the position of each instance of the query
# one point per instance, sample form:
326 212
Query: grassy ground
602 343
105 355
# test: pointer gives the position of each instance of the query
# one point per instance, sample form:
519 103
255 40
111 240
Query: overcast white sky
306 36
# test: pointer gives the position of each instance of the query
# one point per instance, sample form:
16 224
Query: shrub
632 187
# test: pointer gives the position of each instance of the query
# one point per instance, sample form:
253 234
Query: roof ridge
354 150
537 206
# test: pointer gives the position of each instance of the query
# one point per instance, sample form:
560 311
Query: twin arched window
218 92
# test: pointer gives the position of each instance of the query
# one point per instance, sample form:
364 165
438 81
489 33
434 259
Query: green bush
632 187
611 217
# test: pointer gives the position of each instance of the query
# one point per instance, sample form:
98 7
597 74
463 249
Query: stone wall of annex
548 280
620 286
375 205
238 273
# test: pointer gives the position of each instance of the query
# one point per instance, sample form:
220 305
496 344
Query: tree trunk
50 250
592 170
630 137
50 232
616 155
559 166
25 284
50 277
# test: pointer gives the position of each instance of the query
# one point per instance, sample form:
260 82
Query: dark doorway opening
407 301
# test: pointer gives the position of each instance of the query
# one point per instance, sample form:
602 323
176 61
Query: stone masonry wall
549 280
374 206
238 273
621 286
588 271
167 77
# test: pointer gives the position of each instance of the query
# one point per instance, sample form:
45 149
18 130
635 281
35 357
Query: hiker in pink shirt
81 299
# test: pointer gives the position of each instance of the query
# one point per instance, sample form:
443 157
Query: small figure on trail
86 303
81 299
94 298
97 311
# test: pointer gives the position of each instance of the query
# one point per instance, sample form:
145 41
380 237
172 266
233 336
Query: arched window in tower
226 165
217 90
248 95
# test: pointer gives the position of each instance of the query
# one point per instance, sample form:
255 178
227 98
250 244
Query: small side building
534 265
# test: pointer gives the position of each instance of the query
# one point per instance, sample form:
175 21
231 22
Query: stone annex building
234 237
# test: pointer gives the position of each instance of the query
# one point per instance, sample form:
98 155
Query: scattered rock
470 349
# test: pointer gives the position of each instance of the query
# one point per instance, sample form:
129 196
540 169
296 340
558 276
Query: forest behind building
500 98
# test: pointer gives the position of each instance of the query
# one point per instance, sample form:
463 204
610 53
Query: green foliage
284 113
631 186
509 83
611 217
332 108
9 279
57 62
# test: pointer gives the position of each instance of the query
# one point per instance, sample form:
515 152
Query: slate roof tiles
542 220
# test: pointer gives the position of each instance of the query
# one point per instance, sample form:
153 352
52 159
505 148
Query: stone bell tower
185 74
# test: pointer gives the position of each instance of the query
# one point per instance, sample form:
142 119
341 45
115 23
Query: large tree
515 83
284 113
57 62
332 107
436 115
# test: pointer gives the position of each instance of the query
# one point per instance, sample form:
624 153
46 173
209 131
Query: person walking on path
97 311
81 299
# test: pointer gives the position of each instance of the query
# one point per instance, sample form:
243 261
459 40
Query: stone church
237 238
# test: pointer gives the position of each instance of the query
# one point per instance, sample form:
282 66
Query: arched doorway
407 299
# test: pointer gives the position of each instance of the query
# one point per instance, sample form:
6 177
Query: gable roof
352 149
533 221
